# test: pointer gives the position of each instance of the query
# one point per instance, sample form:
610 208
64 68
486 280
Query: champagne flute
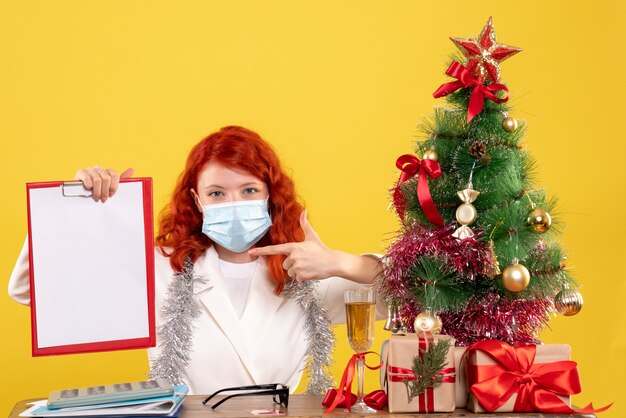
360 317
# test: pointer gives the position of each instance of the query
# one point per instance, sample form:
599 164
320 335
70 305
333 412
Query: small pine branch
427 368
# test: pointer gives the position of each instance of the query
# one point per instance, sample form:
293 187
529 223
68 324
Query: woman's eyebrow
217 186
213 186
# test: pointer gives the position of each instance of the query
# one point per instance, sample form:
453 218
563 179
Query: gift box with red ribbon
522 378
396 372
461 381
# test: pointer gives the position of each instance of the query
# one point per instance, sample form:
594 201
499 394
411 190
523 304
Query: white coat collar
260 309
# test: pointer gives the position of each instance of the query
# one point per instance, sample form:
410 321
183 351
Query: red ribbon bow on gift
337 397
410 165
537 385
466 79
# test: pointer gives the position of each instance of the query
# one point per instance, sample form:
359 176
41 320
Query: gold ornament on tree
466 214
568 302
538 218
431 154
515 277
493 270
427 323
391 314
394 322
509 124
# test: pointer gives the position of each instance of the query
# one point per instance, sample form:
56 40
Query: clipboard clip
75 189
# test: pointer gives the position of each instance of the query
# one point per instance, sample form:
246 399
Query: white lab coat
266 345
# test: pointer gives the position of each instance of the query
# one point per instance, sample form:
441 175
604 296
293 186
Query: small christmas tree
476 257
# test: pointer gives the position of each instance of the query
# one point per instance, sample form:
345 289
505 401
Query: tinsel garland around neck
320 338
175 336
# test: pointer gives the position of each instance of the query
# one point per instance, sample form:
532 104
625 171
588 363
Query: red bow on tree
466 79
409 166
537 386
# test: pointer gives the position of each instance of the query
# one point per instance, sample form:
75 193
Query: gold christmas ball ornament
568 302
539 219
515 277
509 124
427 322
431 154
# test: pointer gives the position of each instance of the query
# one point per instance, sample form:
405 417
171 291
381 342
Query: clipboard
91 268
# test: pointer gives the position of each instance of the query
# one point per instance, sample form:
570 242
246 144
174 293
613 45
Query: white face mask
236 226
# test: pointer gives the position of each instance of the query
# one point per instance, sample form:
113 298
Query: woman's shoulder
162 269
162 253
162 260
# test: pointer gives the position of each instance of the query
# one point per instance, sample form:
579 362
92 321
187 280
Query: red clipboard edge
99 347
128 344
149 237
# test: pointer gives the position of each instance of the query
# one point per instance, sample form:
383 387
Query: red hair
180 222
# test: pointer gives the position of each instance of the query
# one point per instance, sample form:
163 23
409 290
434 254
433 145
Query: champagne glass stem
360 374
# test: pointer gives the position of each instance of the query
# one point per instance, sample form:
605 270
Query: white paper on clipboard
92 268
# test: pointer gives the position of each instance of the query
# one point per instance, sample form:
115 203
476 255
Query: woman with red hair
246 291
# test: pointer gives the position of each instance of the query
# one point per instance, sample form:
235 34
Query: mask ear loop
269 209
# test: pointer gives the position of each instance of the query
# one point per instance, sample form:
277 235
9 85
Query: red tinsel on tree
488 315
468 257
494 316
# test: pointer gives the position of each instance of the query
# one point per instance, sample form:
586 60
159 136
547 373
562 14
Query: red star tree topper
484 54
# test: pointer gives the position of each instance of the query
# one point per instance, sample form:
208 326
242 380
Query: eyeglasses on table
280 392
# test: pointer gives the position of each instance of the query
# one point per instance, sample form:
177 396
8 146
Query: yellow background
337 87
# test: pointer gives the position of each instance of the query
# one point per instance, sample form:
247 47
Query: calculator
104 394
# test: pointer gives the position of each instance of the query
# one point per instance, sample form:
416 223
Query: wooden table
299 406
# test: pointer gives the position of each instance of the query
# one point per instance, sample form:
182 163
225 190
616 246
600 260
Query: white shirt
237 278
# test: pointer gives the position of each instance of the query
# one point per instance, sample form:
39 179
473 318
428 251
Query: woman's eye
250 190
216 194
